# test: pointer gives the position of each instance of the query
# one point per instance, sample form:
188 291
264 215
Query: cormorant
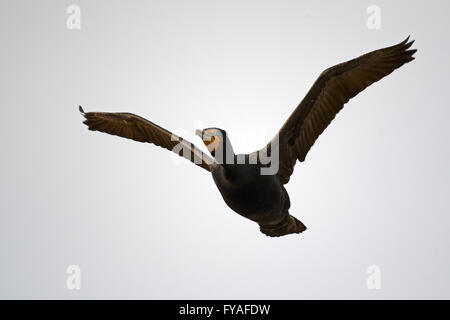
253 184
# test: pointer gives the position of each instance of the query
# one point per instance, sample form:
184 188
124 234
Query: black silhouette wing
131 126
334 87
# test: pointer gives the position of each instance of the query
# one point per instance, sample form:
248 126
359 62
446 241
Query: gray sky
374 190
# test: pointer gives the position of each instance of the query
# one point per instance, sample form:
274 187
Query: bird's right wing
334 87
131 126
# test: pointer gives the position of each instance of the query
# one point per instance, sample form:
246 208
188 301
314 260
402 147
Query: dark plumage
245 181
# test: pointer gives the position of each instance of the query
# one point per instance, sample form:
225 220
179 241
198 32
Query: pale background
374 190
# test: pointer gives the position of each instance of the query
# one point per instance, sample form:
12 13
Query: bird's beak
199 133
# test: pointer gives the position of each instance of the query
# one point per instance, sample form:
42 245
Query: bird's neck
224 154
226 158
230 168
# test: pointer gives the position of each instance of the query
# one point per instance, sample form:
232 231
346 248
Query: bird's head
217 142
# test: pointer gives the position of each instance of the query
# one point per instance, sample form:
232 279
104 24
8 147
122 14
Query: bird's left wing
334 87
133 127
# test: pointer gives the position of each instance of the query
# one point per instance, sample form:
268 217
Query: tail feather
289 225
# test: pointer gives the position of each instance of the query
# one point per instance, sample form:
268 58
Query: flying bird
253 184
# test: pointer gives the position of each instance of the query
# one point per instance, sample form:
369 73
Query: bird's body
247 182
260 198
